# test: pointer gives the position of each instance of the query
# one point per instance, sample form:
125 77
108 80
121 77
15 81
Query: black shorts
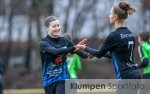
57 87
132 75
128 86
146 76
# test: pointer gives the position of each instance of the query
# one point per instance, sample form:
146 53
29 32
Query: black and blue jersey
120 44
53 53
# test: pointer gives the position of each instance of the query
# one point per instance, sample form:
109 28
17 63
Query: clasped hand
81 46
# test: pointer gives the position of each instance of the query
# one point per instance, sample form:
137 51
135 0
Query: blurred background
22 26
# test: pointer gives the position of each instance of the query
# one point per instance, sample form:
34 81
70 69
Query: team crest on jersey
58 60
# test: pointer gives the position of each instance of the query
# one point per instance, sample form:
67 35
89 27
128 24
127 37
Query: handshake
82 46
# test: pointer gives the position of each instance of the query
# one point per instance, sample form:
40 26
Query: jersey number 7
130 47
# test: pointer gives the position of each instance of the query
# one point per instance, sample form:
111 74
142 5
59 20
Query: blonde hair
123 9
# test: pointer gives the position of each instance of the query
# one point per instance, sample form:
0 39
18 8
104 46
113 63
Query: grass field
41 91
24 91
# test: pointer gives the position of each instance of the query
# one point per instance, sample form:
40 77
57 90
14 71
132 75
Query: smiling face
54 29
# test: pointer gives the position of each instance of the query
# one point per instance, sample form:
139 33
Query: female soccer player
53 50
120 43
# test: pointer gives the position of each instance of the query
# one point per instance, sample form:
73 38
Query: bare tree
82 16
67 14
37 10
8 17
29 39
146 14
36 5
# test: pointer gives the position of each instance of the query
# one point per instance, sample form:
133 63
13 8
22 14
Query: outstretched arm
45 47
109 45
82 54
97 53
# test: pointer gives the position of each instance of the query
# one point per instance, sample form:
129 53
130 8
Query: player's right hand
90 56
80 47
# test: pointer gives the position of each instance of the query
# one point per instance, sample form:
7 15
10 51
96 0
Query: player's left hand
81 45
82 42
